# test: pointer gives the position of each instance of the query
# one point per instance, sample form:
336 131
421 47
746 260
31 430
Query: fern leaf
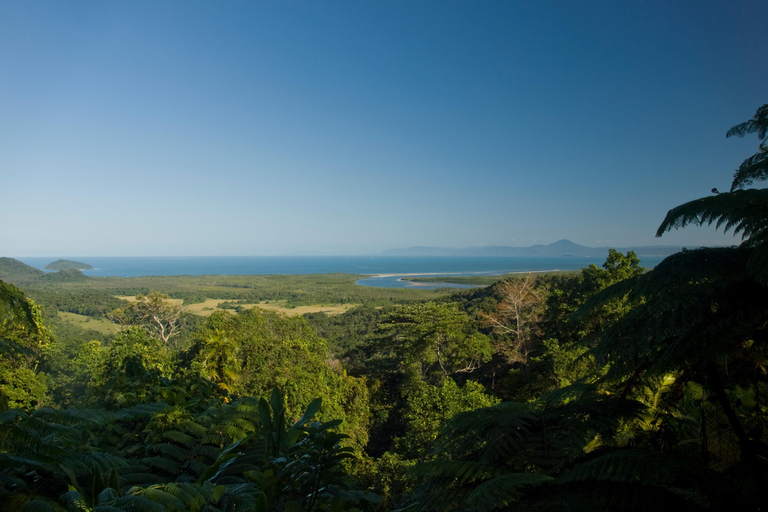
502 490
743 211
179 438
627 465
754 168
758 124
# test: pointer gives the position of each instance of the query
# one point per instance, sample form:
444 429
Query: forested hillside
613 388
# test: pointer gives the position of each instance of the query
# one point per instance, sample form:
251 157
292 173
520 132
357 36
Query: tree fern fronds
89 462
212 438
12 415
41 504
164 463
142 410
490 433
89 418
443 498
692 320
137 501
757 265
683 276
178 437
625 465
195 466
754 168
170 451
613 496
28 463
512 415
107 495
744 211
758 124
207 451
574 424
230 432
459 471
501 491
189 494
75 501
566 394
107 508
584 410
353 497
141 478
691 297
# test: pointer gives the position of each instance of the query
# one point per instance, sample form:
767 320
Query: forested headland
67 265
612 388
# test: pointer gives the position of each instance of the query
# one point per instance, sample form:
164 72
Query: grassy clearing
132 298
334 309
208 306
298 290
204 308
202 295
86 322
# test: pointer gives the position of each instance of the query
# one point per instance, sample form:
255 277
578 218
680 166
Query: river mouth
399 281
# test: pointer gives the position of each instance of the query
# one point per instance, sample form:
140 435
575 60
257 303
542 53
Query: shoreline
464 274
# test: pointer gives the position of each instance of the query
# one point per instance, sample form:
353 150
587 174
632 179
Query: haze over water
368 265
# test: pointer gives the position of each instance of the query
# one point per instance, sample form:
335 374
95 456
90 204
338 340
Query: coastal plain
83 302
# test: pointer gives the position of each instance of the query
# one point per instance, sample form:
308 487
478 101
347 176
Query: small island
67 265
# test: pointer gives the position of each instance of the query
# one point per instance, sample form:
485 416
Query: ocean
394 267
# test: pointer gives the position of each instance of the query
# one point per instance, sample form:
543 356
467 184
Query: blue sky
267 128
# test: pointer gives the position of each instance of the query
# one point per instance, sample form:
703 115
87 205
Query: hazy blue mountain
561 248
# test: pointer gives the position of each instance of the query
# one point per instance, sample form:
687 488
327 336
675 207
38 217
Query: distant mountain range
561 248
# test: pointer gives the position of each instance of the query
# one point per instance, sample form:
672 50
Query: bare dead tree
517 315
154 312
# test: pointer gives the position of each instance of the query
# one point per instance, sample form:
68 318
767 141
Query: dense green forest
612 388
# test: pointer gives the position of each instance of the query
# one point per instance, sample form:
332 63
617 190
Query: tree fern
625 465
694 306
756 167
745 212
501 491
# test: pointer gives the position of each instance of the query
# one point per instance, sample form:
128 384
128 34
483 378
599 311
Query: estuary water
389 269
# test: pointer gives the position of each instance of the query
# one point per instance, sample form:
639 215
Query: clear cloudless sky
162 128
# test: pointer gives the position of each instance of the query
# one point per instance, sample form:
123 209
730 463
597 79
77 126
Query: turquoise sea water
371 265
